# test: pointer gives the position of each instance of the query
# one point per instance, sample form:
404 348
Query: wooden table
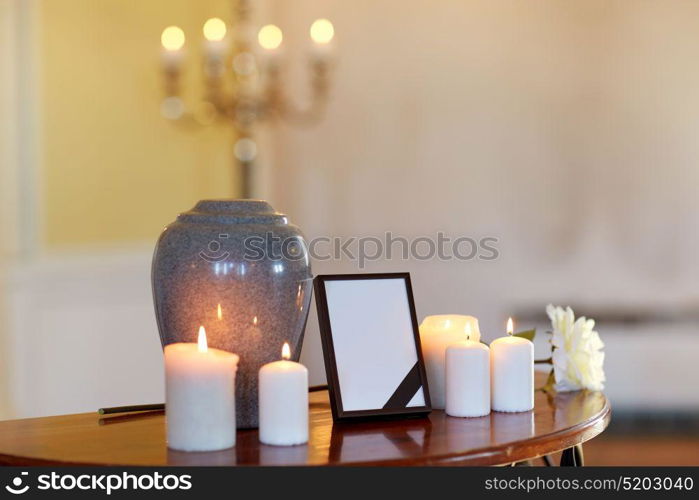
562 422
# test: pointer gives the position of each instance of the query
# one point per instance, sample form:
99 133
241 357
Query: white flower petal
578 359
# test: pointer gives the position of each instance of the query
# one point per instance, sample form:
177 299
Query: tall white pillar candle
467 379
436 333
199 396
512 373
283 393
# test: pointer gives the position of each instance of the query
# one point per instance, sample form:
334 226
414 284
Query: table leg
572 457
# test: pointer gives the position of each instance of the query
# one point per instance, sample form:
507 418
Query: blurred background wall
91 173
112 169
566 129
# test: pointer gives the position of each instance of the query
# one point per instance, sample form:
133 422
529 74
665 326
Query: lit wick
510 327
286 351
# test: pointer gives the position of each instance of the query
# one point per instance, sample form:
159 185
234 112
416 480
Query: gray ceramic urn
242 271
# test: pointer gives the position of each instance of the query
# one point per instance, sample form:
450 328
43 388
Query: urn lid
233 212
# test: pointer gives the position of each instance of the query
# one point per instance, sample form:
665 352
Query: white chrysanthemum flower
577 351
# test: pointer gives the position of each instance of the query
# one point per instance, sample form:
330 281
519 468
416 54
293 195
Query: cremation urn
241 270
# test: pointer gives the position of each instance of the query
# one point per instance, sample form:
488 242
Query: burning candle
436 334
511 372
200 396
283 394
467 378
270 38
172 40
322 33
215 38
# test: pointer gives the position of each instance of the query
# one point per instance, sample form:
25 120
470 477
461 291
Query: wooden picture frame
371 346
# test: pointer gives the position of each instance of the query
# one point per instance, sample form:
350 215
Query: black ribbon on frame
405 390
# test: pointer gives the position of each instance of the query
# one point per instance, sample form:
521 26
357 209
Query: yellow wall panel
112 169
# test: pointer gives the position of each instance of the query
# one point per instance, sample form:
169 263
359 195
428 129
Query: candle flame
468 331
322 31
203 346
254 321
219 313
286 351
214 29
172 38
270 37
510 326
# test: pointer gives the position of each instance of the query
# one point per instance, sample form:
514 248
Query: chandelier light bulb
172 108
172 38
214 29
270 37
245 149
322 31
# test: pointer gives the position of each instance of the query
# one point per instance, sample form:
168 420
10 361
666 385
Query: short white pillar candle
283 398
199 396
436 334
512 373
467 379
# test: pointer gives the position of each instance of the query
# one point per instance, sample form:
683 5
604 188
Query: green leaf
550 382
527 334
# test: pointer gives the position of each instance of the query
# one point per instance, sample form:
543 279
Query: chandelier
243 80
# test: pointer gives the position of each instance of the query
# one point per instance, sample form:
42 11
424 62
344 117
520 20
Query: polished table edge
515 451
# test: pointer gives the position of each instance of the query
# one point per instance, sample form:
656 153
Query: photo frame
371 346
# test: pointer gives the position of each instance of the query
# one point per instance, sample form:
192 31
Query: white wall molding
9 177
29 125
9 133
19 129
83 333
19 132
